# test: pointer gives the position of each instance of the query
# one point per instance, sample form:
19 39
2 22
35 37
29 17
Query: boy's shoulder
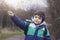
44 25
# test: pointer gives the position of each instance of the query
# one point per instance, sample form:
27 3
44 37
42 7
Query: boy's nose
36 19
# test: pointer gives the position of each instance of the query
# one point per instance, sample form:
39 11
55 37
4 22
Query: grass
9 34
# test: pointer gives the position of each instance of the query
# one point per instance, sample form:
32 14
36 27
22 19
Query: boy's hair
41 14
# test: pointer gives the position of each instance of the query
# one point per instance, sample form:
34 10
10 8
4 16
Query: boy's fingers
10 13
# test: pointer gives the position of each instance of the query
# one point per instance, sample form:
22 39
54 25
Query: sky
27 4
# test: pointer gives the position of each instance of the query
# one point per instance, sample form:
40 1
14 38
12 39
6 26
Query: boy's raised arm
18 21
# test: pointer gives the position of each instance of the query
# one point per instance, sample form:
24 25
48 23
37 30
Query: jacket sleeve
20 23
46 34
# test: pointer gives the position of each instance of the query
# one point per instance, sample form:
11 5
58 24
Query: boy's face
37 19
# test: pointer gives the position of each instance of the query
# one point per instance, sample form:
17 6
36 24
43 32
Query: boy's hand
10 13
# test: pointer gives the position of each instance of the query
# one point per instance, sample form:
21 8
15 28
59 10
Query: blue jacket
31 31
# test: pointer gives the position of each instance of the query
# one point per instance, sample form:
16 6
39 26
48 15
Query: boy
34 30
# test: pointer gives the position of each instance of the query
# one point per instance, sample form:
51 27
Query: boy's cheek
36 21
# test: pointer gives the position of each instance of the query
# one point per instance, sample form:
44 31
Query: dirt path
16 37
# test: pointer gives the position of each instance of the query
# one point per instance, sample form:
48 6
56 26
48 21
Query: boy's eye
40 18
35 17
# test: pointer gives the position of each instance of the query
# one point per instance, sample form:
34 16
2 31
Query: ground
16 37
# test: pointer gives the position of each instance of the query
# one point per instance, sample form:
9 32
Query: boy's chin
37 23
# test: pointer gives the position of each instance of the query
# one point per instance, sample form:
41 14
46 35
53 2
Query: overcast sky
24 4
